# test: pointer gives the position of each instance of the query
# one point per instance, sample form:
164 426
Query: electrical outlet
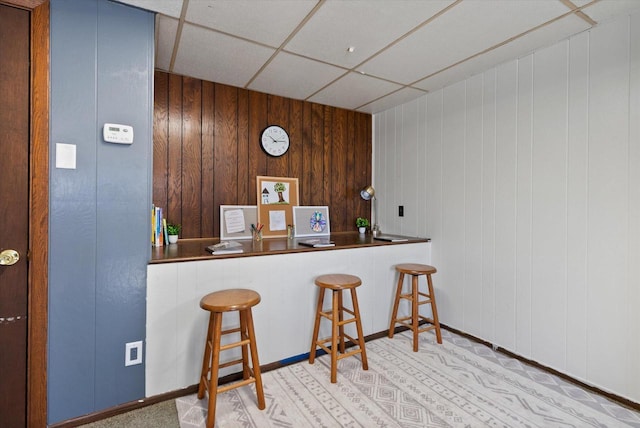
401 210
133 353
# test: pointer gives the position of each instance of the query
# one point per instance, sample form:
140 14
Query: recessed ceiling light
350 49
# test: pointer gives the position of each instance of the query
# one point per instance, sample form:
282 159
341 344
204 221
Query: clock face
275 140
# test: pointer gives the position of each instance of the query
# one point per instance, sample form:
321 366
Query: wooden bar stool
337 283
415 270
217 303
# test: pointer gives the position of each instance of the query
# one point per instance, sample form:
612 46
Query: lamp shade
368 193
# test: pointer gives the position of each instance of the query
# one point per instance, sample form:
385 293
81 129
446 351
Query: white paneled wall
527 180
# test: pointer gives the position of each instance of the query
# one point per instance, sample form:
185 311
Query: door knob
9 257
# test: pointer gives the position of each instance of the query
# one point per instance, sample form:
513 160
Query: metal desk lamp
369 193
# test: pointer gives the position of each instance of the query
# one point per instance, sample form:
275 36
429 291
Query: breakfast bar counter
282 271
196 249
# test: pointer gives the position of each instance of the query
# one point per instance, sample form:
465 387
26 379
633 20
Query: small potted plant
172 231
362 224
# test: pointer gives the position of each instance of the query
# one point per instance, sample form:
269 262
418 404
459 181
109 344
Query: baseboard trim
613 397
172 395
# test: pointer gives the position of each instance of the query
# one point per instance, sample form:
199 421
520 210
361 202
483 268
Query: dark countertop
195 249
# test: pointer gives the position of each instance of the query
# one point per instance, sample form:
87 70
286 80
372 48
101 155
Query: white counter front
176 325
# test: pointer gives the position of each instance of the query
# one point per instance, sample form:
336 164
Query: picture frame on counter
276 198
311 221
236 221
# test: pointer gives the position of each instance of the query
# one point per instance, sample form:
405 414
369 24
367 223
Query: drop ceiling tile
294 77
216 57
365 25
607 9
165 7
465 30
268 22
353 90
165 39
404 95
544 36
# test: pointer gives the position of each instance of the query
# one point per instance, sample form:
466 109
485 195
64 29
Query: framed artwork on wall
236 221
311 221
276 198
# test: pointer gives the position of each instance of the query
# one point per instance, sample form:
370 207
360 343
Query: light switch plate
65 156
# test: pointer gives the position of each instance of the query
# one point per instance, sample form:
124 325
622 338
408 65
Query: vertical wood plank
258 105
316 188
191 157
243 147
278 114
225 151
174 167
160 139
209 215
327 155
338 168
296 167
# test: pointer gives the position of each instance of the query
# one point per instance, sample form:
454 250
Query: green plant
362 222
173 229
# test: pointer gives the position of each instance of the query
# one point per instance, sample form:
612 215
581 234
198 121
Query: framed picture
236 221
311 221
276 198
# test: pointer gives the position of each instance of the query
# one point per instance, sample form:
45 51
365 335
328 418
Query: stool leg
316 327
434 310
414 311
254 359
244 334
215 363
334 337
396 303
206 360
356 311
340 319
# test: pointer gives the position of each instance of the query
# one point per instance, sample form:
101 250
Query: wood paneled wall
206 152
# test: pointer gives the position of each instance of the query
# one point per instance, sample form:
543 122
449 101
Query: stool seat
415 269
229 300
413 321
337 283
218 303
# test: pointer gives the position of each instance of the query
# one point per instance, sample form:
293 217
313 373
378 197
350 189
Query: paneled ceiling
365 55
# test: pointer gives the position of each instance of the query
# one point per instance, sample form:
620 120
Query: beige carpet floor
457 384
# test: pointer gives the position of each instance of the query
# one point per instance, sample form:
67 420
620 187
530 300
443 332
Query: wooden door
14 212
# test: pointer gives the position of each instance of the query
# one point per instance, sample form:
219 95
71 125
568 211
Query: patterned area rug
457 384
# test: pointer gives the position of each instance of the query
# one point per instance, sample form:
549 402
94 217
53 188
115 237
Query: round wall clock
274 140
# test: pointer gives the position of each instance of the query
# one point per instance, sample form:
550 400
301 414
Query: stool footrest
343 322
234 344
321 344
236 384
348 354
231 363
420 302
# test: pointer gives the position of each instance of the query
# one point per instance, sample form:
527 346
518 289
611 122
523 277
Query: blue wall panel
101 71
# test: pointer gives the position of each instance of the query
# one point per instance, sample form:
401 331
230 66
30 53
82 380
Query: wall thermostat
120 134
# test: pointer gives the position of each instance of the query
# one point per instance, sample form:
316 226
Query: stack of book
158 227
